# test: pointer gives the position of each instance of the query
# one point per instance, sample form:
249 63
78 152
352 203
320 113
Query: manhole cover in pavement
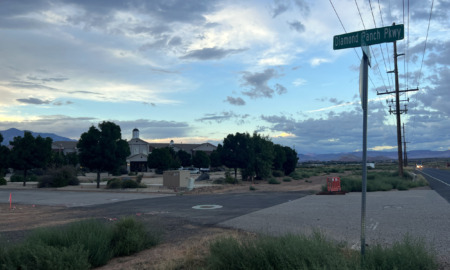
207 206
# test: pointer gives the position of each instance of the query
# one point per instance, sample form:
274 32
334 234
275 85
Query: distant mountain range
372 156
9 134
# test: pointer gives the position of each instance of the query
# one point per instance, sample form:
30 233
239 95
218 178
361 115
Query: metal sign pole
364 92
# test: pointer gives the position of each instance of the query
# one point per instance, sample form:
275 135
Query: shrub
92 235
60 177
252 188
287 179
114 183
404 255
129 183
17 177
2 181
139 178
40 256
277 173
307 252
273 181
130 236
295 175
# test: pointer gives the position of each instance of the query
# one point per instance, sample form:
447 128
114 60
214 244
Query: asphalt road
214 208
439 181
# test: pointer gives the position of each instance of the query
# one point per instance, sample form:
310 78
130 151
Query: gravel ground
390 216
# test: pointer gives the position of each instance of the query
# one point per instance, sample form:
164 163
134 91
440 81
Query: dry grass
188 253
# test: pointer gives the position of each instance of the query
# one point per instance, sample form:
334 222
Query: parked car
204 170
194 170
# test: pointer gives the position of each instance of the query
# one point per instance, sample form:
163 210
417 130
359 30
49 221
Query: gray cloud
297 26
210 53
152 30
235 101
224 116
85 92
59 79
258 84
154 129
35 101
61 103
29 85
281 6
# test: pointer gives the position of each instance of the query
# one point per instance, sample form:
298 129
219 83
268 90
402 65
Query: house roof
64 144
182 146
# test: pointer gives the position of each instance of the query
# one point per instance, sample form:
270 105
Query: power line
357 54
360 14
425 47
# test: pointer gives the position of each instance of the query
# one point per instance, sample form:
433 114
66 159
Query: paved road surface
390 215
439 181
118 204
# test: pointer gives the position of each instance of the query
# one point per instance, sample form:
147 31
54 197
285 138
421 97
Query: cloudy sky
196 71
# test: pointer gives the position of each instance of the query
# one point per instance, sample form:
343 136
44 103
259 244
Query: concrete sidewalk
390 216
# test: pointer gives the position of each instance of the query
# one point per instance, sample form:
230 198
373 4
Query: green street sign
369 37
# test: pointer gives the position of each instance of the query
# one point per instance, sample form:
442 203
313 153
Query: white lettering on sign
369 37
341 41
392 33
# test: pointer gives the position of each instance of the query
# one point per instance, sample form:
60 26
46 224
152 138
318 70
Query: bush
295 175
17 177
287 179
80 245
378 181
40 256
307 252
273 181
139 178
93 235
277 173
252 188
130 236
2 181
60 177
114 183
129 183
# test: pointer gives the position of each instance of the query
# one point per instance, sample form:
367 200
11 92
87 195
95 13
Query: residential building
140 149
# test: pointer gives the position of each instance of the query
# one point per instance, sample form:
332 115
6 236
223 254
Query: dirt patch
314 183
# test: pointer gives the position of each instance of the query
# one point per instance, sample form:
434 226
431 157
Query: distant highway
439 181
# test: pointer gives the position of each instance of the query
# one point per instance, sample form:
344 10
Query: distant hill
372 156
9 134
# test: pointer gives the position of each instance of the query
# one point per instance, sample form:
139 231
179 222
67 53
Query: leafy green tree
4 157
30 153
71 159
57 159
185 158
163 159
215 157
201 160
262 156
279 157
236 151
291 160
103 149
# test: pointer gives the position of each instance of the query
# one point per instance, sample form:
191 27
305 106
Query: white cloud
318 61
299 82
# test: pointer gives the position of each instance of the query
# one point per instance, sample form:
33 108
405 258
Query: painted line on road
436 179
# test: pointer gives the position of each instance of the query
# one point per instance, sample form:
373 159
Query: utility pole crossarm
400 91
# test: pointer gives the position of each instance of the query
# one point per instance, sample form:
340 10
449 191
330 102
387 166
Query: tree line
256 156
102 149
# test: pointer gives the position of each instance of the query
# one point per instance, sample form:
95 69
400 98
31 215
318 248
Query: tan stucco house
140 149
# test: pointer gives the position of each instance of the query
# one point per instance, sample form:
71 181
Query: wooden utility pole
405 155
397 112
